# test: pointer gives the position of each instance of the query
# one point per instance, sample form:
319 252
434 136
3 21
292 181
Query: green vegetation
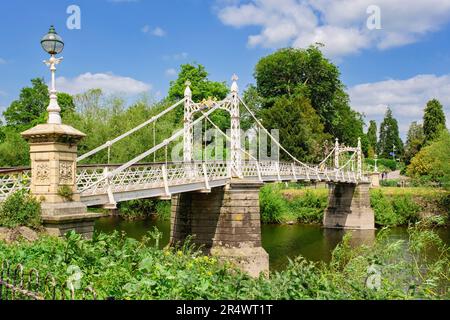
389 137
143 208
281 205
123 268
433 120
372 138
432 163
20 209
66 192
392 206
299 78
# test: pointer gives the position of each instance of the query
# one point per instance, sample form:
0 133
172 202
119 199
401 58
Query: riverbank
123 268
392 206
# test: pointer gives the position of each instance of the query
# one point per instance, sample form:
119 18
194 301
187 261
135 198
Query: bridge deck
161 179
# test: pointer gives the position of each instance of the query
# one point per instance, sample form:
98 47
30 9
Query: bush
274 208
20 209
433 162
163 210
383 164
310 207
124 268
394 210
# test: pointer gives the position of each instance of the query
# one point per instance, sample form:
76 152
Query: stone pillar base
60 218
253 261
225 222
349 207
375 180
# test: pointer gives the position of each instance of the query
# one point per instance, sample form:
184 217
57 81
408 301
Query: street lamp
376 159
53 44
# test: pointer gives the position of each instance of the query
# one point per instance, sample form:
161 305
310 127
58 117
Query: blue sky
136 46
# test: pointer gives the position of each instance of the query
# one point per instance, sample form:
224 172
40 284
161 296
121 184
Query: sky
390 53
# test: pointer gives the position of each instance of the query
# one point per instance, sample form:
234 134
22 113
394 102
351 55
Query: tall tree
433 120
414 141
301 131
389 137
290 71
31 107
372 137
201 86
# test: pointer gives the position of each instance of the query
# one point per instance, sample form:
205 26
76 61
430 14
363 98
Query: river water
281 241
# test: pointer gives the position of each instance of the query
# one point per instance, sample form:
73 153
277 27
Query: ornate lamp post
376 159
53 44
53 153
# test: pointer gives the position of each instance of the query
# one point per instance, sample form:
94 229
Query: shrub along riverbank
123 268
392 206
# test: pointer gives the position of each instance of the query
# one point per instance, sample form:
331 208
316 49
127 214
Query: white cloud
108 82
157 32
407 98
171 73
176 56
340 24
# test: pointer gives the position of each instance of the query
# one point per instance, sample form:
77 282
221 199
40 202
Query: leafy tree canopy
433 161
433 120
299 125
292 71
389 137
30 109
414 141
201 86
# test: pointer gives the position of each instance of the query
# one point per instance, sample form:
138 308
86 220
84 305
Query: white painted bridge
110 184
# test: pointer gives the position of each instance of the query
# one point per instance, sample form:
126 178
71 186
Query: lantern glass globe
52 43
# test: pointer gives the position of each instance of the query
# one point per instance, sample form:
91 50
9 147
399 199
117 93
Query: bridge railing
90 178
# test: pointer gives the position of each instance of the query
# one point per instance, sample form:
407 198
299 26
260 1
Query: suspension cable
145 154
126 134
273 139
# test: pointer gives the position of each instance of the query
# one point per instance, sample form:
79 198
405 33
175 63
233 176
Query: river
280 241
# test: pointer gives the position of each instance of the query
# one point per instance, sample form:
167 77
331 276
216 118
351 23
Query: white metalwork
54 116
133 180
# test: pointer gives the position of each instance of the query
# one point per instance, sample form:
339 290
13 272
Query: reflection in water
281 241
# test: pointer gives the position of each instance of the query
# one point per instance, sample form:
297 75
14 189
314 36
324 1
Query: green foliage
306 72
20 209
201 86
31 107
414 141
14 150
162 209
433 161
389 137
279 204
123 268
394 210
433 120
372 135
143 208
66 192
383 164
310 207
273 207
300 127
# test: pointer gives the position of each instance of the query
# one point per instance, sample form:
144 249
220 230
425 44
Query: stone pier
53 152
349 207
225 222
